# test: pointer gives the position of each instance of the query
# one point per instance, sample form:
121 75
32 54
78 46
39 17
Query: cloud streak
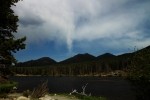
118 22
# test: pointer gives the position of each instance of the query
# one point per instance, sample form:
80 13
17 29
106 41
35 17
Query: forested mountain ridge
79 58
39 62
106 55
81 64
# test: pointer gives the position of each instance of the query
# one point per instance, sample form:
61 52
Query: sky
60 29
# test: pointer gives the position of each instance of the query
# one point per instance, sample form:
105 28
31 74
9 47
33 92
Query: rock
22 98
46 97
14 88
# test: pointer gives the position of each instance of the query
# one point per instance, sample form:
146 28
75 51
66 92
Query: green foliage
7 87
139 74
8 26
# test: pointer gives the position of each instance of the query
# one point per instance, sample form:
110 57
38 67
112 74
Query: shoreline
109 74
48 96
68 75
20 96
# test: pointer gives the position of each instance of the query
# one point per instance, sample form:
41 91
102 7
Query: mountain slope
39 62
79 58
105 59
105 56
81 64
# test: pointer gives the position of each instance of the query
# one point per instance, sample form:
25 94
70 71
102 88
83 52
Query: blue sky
62 28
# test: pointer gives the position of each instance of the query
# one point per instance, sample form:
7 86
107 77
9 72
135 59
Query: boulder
22 98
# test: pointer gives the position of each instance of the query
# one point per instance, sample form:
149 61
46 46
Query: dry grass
40 91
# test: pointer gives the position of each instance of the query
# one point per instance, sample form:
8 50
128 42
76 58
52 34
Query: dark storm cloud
121 21
33 21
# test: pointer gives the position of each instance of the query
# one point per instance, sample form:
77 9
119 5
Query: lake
114 88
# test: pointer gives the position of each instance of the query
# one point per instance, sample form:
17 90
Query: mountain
80 64
79 58
130 55
105 56
143 50
101 60
125 56
39 62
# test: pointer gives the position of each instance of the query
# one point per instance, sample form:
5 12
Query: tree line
82 68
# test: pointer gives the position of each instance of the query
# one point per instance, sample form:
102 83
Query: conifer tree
8 27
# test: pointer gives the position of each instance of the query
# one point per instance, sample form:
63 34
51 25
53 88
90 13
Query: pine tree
8 26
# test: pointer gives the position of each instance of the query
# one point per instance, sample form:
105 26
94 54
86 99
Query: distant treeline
71 69
81 64
106 64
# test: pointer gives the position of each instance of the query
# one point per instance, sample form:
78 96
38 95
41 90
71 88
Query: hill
39 62
80 64
79 58
105 56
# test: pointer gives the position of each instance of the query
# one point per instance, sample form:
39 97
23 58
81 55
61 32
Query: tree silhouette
8 26
139 74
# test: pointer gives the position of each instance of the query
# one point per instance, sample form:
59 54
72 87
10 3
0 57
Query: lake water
114 88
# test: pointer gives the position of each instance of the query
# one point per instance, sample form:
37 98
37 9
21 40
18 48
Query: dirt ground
62 97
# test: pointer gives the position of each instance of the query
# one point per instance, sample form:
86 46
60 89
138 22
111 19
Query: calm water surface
114 88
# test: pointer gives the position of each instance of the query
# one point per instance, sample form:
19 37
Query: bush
7 87
40 91
26 93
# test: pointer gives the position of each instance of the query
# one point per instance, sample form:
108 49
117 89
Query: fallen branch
82 93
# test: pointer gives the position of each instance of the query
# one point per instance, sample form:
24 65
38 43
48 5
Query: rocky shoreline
19 96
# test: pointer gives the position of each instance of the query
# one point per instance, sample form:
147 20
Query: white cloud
77 20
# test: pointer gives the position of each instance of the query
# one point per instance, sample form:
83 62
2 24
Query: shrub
7 87
26 93
40 91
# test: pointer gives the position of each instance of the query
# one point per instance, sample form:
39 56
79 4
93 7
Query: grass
81 97
40 91
7 87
